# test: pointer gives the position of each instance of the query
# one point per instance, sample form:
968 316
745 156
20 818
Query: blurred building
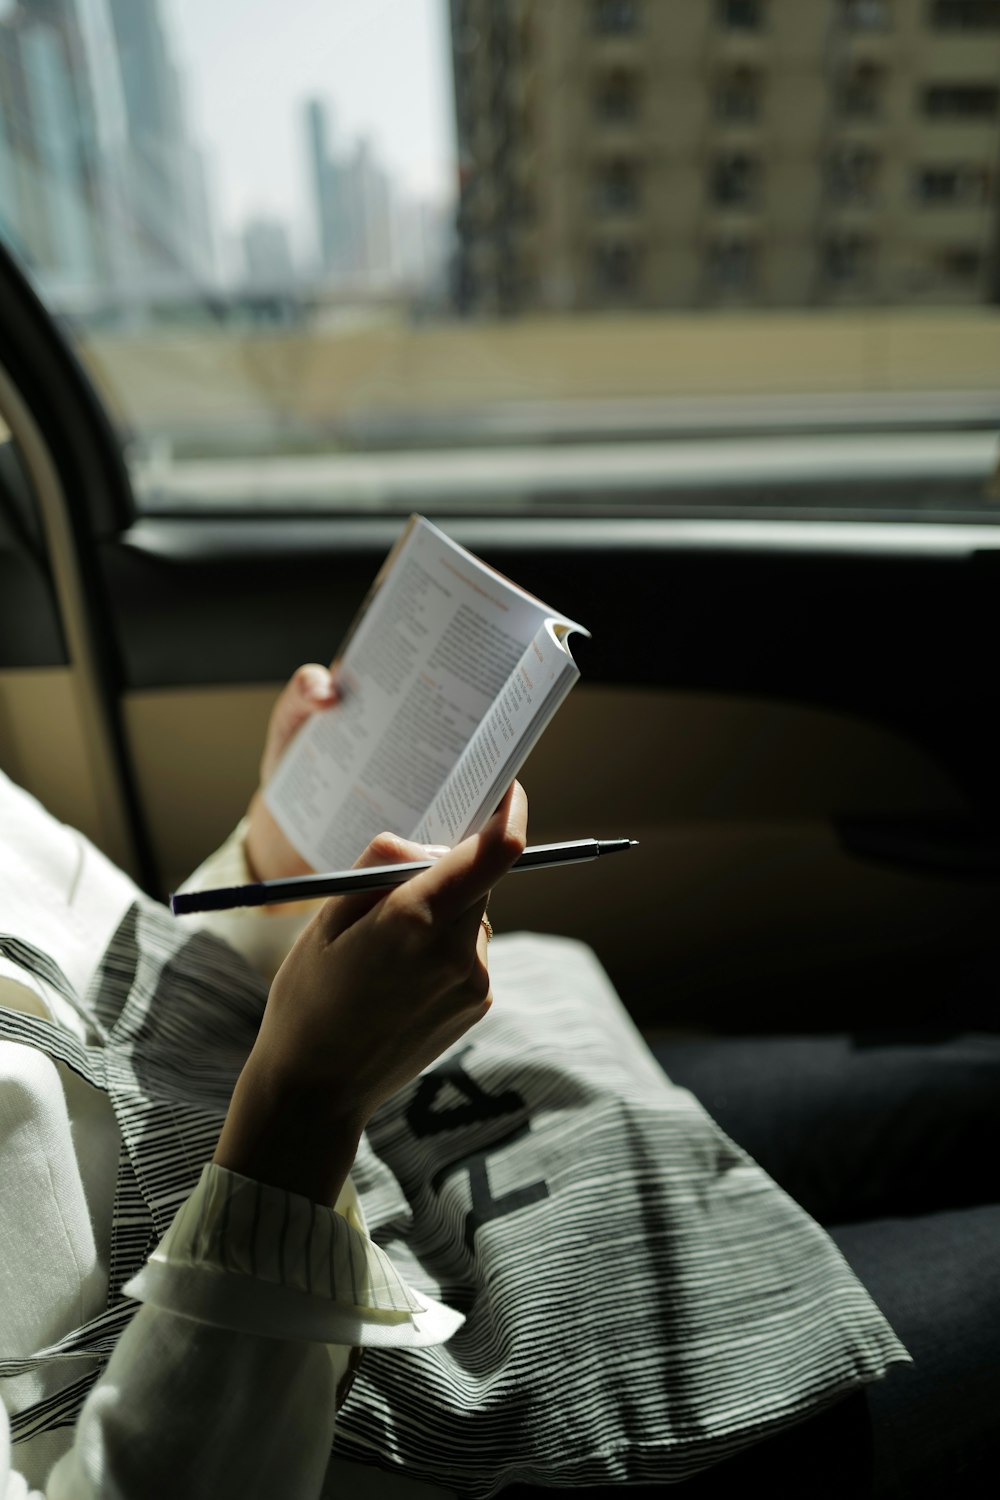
424 244
353 205
50 171
372 198
689 153
267 255
168 194
102 188
333 238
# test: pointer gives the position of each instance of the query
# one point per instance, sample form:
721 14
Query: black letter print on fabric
484 1206
424 1120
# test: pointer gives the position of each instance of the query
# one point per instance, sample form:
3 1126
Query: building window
953 187
848 260
732 265
524 39
738 97
865 15
616 270
860 94
616 97
522 206
736 181
965 15
527 284
617 187
465 36
741 15
852 176
959 264
616 17
961 101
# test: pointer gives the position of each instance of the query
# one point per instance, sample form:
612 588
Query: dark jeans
893 1145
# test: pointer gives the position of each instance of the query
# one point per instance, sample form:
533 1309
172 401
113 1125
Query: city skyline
101 183
249 82
368 234
114 191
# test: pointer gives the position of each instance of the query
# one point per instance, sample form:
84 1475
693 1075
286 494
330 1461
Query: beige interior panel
613 759
59 728
45 747
738 873
703 911
195 755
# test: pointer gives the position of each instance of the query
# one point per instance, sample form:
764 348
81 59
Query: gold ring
487 926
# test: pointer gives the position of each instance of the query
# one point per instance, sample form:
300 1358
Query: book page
502 742
437 642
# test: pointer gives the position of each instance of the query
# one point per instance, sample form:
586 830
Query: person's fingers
463 952
341 912
445 903
310 689
461 880
482 949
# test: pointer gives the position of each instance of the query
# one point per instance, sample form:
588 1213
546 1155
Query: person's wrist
290 1132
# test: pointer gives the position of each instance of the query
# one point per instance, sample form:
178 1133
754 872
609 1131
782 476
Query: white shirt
226 1381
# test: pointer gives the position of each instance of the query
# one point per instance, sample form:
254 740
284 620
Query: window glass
398 254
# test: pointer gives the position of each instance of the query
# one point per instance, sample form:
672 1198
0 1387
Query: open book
449 675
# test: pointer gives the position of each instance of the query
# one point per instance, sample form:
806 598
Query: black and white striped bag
641 1299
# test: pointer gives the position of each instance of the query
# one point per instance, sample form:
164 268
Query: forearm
203 1412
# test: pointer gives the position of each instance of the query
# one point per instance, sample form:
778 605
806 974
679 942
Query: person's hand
377 986
269 854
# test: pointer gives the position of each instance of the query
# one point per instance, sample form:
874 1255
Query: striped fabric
234 1226
640 1299
237 1253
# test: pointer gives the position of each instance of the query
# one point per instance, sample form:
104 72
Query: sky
381 66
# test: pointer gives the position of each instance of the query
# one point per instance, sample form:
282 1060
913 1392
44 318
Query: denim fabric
857 1127
893 1143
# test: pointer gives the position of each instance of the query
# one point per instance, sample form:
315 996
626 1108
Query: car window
592 256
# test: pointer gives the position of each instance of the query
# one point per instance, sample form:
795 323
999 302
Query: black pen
341 882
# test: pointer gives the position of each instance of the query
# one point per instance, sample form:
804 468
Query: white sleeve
187 1410
258 1259
12 1485
226 1382
260 933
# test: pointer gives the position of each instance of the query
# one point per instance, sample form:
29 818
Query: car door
796 725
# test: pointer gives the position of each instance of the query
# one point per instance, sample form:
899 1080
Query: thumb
310 689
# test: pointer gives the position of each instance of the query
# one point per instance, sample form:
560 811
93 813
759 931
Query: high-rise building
424 233
168 201
372 214
105 188
686 153
68 250
333 195
318 151
268 256
49 167
353 205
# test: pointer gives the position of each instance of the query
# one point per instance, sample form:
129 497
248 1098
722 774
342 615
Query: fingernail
435 851
320 685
